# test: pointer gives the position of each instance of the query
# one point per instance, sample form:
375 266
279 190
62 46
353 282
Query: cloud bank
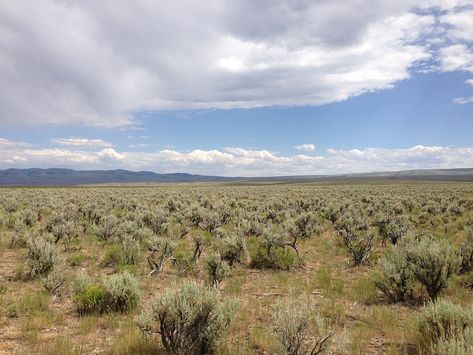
234 161
96 63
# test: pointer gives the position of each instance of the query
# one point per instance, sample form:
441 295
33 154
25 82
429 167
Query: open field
261 246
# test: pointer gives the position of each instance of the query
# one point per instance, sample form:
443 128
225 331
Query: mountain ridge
71 177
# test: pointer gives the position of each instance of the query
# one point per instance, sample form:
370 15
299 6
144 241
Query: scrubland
237 269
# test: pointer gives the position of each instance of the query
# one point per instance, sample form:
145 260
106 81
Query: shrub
42 255
54 281
116 293
358 243
130 250
304 226
232 249
433 262
90 300
216 268
126 252
108 228
19 236
190 319
269 252
113 255
299 328
30 217
65 231
460 345
394 229
161 251
443 324
396 279
122 294
76 259
467 251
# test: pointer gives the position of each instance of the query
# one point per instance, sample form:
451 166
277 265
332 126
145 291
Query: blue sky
280 94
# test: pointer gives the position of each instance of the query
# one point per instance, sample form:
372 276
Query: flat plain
326 245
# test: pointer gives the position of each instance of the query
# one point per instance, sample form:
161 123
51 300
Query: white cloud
305 147
81 142
110 155
7 143
463 100
460 24
244 162
95 63
456 57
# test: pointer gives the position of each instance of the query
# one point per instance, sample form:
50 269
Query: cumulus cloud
456 57
460 24
305 147
95 63
81 142
235 161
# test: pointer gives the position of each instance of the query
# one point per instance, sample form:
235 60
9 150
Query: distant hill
64 177
39 177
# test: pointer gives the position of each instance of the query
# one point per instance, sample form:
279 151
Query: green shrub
394 229
122 293
460 345
299 328
217 269
232 249
396 279
269 252
91 300
116 293
76 259
359 244
30 217
42 255
443 324
126 252
54 281
303 226
108 228
467 251
113 255
190 319
433 262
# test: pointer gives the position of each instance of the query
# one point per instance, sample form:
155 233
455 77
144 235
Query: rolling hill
65 177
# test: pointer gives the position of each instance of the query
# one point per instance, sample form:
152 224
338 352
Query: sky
237 87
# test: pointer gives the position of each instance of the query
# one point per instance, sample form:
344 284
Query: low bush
54 281
467 251
396 279
268 252
231 249
359 244
126 252
299 328
190 319
42 255
445 326
122 293
217 269
433 262
116 293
